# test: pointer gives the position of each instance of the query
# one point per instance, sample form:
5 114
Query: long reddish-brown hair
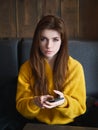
37 60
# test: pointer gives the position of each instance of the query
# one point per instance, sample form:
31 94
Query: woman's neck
51 61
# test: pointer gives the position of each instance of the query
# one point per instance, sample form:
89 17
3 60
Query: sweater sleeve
24 96
74 92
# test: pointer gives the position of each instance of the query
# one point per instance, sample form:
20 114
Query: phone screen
55 99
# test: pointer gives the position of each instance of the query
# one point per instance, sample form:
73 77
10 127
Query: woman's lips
48 52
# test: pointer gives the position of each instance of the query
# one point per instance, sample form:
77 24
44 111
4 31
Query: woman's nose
49 44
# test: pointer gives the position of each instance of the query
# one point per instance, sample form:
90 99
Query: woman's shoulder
72 62
26 65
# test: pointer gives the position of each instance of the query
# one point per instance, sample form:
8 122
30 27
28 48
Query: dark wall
18 18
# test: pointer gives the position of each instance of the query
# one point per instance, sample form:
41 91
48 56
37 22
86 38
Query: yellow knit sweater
74 92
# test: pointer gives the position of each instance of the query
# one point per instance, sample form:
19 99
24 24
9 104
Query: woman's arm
24 95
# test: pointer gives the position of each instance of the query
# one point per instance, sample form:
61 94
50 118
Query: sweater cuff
33 106
65 104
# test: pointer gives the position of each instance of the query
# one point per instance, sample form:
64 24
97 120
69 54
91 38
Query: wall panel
27 17
7 18
18 18
88 19
70 13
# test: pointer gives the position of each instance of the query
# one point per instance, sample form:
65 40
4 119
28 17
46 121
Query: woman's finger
59 93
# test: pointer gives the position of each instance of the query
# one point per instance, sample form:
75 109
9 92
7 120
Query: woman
51 74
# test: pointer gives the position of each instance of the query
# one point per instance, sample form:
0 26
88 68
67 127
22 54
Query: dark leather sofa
13 52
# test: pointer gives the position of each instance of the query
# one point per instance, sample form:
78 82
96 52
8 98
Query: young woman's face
50 43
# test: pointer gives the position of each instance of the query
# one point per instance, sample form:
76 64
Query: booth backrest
84 51
8 75
14 52
87 53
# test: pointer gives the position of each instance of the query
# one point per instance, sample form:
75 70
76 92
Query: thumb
59 93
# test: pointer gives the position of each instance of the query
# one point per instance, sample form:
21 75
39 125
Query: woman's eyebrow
57 37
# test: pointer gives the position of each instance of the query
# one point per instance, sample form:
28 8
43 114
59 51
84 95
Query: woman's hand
40 100
50 105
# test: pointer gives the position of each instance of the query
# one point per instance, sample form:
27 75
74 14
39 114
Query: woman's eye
43 39
55 40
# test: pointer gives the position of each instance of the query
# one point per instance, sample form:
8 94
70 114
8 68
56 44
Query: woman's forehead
50 33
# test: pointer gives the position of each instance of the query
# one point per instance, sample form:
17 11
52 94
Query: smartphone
55 99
